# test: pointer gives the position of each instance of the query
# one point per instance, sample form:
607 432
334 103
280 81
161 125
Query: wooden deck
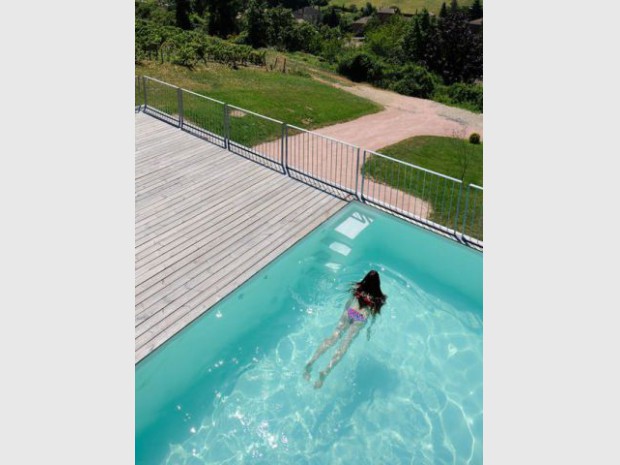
206 221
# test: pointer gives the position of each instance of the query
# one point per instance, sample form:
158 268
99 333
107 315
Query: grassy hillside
294 99
406 6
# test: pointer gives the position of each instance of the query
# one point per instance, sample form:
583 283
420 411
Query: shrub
302 36
412 80
474 138
139 54
386 39
466 93
329 44
467 96
361 66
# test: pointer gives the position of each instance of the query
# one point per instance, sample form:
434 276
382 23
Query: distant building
384 14
309 14
476 24
358 26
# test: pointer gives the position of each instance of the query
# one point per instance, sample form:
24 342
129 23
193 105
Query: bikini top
365 298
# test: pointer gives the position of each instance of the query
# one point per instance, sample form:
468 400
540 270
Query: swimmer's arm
372 322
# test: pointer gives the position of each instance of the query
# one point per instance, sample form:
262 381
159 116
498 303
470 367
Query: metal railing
204 117
432 199
411 191
256 137
139 95
162 100
322 161
471 227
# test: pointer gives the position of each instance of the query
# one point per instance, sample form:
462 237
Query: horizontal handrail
255 114
321 135
161 82
415 166
203 96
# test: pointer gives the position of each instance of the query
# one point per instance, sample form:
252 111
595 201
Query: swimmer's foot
307 371
319 381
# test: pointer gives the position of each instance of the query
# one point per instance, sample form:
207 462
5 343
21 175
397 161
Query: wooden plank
166 203
175 216
202 235
200 308
224 285
198 219
206 221
198 263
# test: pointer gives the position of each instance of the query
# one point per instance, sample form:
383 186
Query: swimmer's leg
327 343
354 330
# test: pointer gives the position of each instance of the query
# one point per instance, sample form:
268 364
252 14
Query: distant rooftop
362 20
308 13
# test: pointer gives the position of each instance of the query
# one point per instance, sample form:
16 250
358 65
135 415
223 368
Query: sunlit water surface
229 389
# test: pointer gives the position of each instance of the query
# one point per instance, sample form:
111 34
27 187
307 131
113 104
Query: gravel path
403 117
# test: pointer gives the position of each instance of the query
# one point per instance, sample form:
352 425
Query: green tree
303 36
152 11
460 54
386 40
421 41
368 9
331 17
290 4
199 6
475 11
444 10
222 17
182 14
256 24
331 43
280 25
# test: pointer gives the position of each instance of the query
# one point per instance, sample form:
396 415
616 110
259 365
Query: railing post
357 174
284 147
465 212
144 87
226 127
458 207
363 176
180 105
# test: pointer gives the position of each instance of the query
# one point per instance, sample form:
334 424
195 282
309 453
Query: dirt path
402 118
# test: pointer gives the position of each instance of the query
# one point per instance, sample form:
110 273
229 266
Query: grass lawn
298 100
456 158
441 154
406 6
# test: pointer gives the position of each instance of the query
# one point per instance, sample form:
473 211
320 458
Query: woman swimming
366 302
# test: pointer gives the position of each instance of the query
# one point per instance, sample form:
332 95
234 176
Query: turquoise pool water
229 388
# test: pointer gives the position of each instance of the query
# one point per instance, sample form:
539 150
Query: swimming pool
229 388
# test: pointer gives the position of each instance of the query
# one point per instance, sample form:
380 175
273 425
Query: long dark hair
368 292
